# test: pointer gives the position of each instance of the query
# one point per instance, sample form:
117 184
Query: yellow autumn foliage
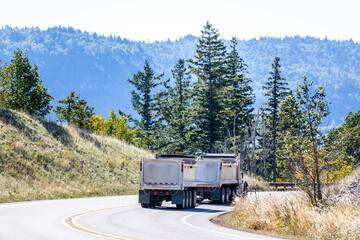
117 127
97 124
331 170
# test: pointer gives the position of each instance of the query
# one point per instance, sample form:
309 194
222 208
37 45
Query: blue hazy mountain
97 67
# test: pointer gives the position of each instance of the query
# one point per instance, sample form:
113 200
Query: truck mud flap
144 197
215 194
177 197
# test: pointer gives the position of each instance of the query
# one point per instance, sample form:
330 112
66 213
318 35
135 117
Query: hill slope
97 67
42 160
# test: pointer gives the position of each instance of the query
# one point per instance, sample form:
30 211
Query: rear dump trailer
184 180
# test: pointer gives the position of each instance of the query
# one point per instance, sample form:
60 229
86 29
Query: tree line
205 114
208 107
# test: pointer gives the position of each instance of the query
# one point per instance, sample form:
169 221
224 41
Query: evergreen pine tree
75 111
344 141
66 112
178 103
82 114
237 95
289 123
143 98
21 87
209 65
277 91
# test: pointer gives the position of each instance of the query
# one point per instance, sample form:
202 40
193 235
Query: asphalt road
112 218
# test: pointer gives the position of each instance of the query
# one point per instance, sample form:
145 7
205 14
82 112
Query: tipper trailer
184 179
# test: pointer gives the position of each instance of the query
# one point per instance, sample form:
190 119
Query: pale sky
152 20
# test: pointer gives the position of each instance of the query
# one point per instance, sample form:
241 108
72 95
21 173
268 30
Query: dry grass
42 160
256 183
292 215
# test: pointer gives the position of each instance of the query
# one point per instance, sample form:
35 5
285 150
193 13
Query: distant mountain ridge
98 67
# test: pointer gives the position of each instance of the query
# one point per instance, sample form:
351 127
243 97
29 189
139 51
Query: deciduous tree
303 113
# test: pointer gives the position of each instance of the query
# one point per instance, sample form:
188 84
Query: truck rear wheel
183 204
145 205
158 203
191 198
187 199
194 198
152 203
227 195
223 197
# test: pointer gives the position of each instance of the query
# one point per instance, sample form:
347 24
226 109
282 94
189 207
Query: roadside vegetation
43 160
293 215
256 183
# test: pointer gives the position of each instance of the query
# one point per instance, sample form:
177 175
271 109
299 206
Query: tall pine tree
209 65
179 100
277 91
237 95
143 98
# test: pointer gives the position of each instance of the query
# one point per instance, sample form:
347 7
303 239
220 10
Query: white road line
184 220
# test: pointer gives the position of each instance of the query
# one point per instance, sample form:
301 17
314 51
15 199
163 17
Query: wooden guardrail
282 186
289 186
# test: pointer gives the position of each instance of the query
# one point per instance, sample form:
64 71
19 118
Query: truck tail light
182 166
140 166
221 163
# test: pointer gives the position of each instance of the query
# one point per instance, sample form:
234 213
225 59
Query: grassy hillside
42 160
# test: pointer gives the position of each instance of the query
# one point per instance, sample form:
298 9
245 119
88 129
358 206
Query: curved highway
112 218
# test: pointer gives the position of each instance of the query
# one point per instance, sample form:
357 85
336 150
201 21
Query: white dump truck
184 179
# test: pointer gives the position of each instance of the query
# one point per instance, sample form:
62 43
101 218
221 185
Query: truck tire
223 197
194 198
145 205
227 195
152 203
182 205
187 199
191 199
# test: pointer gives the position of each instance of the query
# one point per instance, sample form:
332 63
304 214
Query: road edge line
184 220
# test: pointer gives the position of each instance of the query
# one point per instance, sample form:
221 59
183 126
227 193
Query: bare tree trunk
317 182
265 150
254 126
